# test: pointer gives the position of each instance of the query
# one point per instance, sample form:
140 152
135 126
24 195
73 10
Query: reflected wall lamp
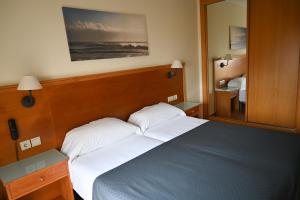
29 83
227 58
175 65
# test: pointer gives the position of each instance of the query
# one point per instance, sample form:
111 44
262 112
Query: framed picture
238 37
101 35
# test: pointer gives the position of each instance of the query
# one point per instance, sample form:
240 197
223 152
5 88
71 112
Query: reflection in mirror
227 58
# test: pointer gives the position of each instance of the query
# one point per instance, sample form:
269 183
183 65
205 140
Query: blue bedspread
214 161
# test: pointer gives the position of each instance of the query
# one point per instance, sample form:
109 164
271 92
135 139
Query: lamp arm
30 95
175 73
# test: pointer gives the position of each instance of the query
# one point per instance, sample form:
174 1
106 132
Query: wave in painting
101 50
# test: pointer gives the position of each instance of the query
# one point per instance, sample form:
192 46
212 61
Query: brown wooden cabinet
44 176
273 84
274 43
226 101
193 112
191 109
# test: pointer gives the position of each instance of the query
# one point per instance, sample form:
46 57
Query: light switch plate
175 97
170 98
222 83
36 141
25 145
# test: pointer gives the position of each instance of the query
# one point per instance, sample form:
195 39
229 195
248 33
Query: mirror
227 58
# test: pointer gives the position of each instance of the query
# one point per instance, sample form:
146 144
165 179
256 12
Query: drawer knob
42 179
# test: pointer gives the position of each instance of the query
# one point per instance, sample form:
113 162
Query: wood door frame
298 100
204 53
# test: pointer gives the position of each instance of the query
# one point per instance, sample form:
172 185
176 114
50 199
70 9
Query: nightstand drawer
37 179
193 111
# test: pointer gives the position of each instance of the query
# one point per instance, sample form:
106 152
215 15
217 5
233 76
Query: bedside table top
29 165
227 89
187 105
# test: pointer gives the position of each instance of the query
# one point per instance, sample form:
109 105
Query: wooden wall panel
67 103
32 122
115 96
237 67
273 62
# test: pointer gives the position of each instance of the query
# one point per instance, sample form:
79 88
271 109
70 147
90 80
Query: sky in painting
99 26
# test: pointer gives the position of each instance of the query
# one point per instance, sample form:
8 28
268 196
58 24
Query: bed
209 161
173 128
240 83
107 158
124 150
100 146
213 161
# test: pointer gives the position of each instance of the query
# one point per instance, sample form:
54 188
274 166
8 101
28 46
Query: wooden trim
298 94
207 2
204 50
251 124
184 83
74 79
298 100
247 55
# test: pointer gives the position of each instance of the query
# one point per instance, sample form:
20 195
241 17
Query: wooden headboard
67 103
237 67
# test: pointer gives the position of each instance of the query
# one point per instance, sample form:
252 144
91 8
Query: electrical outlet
222 83
36 141
25 145
175 97
172 98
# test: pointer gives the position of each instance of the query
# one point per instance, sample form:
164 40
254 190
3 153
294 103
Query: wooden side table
43 176
191 109
226 101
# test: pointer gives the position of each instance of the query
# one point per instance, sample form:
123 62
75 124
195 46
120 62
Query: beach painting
238 37
102 35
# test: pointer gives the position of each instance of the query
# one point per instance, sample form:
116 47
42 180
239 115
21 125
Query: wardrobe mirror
227 59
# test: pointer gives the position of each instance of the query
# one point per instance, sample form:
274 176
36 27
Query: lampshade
176 64
228 57
29 83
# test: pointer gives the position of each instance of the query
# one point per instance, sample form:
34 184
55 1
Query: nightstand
43 176
226 101
191 109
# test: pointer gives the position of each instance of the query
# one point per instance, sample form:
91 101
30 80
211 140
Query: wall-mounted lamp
175 65
227 58
29 83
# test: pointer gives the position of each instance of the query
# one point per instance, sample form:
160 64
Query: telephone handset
13 129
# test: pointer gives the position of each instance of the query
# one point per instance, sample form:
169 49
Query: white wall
33 39
220 17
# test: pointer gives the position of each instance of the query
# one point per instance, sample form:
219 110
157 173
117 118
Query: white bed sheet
242 96
241 84
173 128
85 169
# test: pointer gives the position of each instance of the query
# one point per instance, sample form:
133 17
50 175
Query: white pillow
95 135
238 82
153 115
